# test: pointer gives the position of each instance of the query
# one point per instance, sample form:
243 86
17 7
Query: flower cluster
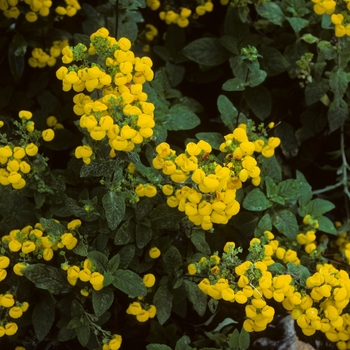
308 238
13 8
339 12
122 115
180 15
37 242
146 190
113 343
148 34
14 310
323 309
211 198
15 159
52 122
142 312
41 59
86 272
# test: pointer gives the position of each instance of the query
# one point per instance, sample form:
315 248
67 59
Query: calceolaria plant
174 175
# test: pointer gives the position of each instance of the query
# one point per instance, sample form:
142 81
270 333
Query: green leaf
256 78
285 222
264 224
215 139
259 101
172 259
233 342
277 269
337 114
315 90
181 118
157 347
102 300
47 277
183 343
309 38
113 263
196 297
114 207
99 260
326 225
98 168
16 63
125 233
289 143
42 318
297 23
271 168
272 61
316 207
234 84
206 52
326 51
228 111
198 240
244 339
129 283
19 44
338 82
165 217
143 235
290 189
83 334
163 301
299 271
127 253
256 201
271 11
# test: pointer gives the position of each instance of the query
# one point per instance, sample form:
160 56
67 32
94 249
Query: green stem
343 170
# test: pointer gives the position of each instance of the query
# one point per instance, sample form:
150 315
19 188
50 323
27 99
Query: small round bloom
149 280
48 135
154 253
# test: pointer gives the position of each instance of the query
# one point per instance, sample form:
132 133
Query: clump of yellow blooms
209 197
41 59
52 122
15 159
14 310
308 239
148 35
113 343
143 312
179 15
86 272
318 305
339 12
35 241
35 8
122 115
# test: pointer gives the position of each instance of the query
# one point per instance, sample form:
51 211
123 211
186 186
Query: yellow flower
18 267
48 135
149 280
4 262
152 311
15 312
143 316
11 328
115 343
191 269
154 253
150 191
31 149
25 114
28 247
7 300
134 308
